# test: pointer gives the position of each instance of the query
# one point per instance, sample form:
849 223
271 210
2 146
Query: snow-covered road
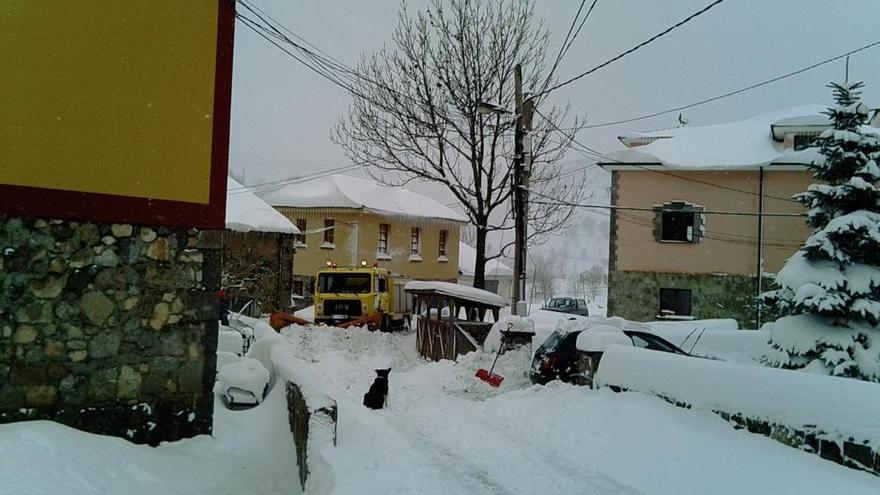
445 432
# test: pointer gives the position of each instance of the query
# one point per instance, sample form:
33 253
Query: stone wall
259 265
313 428
635 295
109 328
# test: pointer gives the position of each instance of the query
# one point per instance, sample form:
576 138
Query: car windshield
652 342
340 283
552 340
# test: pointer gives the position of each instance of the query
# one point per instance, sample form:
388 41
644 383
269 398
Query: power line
631 50
569 39
735 92
557 202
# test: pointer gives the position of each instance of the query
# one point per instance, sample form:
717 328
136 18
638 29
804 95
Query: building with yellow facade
349 221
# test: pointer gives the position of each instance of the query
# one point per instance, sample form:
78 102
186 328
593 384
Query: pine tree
829 292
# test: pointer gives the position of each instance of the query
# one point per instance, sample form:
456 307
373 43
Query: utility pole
522 171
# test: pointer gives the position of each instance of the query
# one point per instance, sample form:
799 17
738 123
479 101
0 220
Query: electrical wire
633 49
737 91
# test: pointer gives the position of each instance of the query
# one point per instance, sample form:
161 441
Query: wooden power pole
522 172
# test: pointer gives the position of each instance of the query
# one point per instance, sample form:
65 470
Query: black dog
375 398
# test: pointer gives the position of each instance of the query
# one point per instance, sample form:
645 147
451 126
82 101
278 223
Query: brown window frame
415 245
301 237
329 231
441 248
384 228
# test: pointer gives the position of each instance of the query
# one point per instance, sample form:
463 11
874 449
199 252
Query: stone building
110 328
258 252
348 220
676 251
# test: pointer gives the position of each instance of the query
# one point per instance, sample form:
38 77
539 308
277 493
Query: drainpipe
760 244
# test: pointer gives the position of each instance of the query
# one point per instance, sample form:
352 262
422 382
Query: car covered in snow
570 305
557 357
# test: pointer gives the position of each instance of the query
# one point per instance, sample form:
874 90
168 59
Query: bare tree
414 114
544 273
594 280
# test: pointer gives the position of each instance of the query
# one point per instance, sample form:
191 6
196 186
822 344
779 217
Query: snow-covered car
244 382
568 305
557 358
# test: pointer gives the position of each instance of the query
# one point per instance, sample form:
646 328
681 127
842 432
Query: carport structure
450 318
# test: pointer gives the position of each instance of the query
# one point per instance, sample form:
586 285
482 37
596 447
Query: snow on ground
245 455
444 431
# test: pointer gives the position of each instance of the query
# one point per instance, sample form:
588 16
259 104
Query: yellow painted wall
362 229
109 97
731 243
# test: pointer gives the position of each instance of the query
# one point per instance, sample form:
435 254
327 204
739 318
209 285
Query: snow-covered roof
735 145
456 290
467 261
245 212
343 191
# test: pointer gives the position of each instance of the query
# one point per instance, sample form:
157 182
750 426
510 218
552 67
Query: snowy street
445 432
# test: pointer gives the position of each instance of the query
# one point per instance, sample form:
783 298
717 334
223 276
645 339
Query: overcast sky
283 113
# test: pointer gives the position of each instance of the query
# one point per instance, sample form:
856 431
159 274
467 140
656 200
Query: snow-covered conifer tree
829 292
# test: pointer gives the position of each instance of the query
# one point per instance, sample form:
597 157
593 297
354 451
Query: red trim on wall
55 203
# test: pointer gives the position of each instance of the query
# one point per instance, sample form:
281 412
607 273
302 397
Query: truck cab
358 295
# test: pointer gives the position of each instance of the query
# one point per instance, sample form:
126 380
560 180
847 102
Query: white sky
283 113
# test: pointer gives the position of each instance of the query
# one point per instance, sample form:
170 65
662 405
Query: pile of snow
839 407
456 290
245 212
244 381
510 323
342 191
599 337
244 454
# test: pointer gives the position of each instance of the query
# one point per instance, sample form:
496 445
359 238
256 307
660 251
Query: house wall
356 238
111 329
505 284
259 265
719 269
730 245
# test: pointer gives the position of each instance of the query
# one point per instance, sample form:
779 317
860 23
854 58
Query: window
329 231
675 302
678 221
677 226
344 283
383 238
416 243
300 239
381 284
443 236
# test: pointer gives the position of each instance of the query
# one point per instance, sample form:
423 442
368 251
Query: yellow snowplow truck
356 296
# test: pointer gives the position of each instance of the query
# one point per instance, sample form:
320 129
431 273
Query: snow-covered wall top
342 191
456 290
841 407
245 212
734 145
467 261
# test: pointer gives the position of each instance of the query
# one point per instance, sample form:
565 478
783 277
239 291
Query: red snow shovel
487 376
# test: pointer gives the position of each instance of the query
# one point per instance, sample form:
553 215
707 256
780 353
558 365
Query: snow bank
831 407
245 212
510 323
230 341
455 290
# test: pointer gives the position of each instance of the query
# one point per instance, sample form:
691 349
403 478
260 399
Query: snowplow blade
490 378
280 319
371 321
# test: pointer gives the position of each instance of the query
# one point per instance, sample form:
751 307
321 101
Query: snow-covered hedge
790 405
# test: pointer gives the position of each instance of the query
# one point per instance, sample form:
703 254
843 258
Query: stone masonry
111 329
